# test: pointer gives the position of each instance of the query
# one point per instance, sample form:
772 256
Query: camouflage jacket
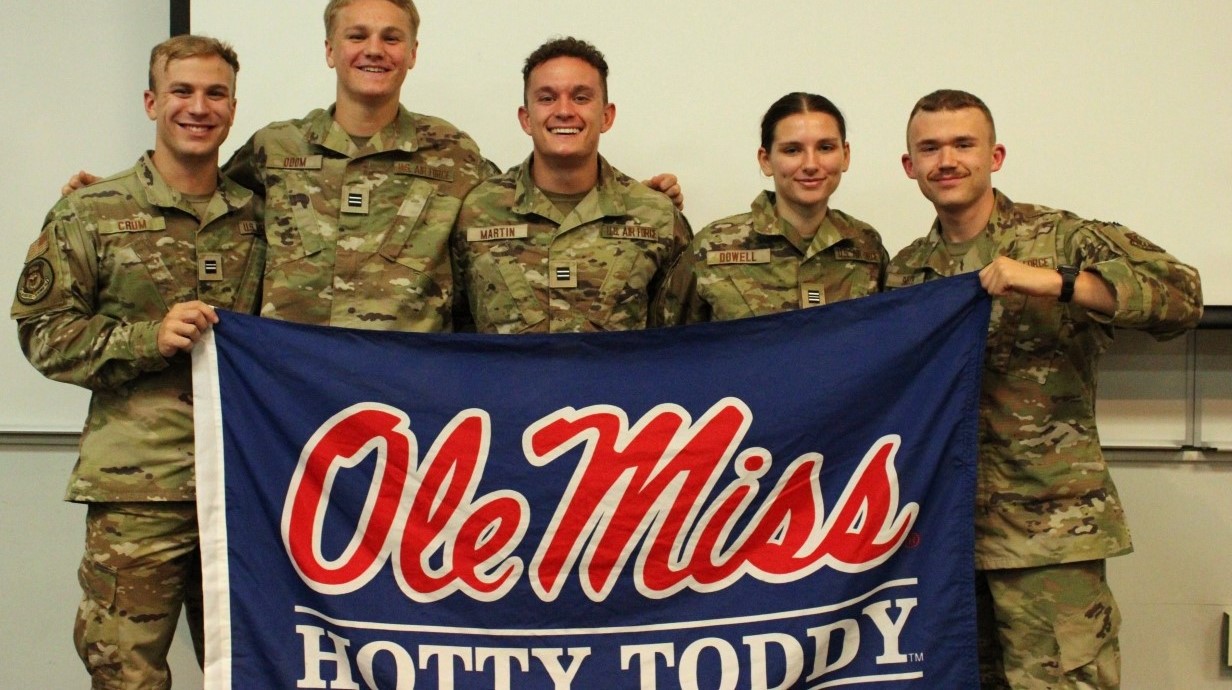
526 268
112 259
359 237
1044 494
756 263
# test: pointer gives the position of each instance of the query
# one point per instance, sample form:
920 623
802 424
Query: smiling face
371 46
952 155
566 110
807 159
193 106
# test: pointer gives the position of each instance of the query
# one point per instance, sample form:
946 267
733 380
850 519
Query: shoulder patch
1143 243
36 281
38 248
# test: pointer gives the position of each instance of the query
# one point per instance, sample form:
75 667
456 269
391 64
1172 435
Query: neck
805 219
962 224
188 176
564 177
364 119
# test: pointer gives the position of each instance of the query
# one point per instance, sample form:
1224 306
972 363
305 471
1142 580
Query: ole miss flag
779 502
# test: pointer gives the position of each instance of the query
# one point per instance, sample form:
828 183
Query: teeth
565 130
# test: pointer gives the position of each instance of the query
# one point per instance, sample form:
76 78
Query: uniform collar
1002 220
766 221
158 193
399 135
601 201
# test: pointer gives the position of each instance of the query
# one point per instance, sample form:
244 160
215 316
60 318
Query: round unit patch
36 281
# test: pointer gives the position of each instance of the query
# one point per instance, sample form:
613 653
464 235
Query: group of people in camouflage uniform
370 216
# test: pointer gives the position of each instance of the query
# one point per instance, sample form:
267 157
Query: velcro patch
209 267
497 232
855 254
134 224
250 227
1040 262
420 170
38 248
722 257
898 280
355 200
36 282
562 274
812 295
296 162
644 233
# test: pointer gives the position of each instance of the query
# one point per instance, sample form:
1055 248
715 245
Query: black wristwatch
1069 275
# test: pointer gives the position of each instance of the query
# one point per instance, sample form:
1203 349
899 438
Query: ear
524 118
763 161
846 155
329 54
414 56
998 157
609 116
908 167
148 99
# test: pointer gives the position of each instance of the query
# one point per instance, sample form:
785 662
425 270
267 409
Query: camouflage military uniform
358 237
527 268
111 261
756 263
1044 494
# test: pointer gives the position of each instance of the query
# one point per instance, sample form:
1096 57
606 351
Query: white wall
1115 110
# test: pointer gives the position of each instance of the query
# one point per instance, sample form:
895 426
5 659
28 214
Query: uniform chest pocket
139 255
1025 335
297 228
623 272
736 291
502 297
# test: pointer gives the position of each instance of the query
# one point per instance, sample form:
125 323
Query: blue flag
772 503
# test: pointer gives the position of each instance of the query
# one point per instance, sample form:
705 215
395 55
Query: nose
812 160
372 46
946 157
197 103
563 108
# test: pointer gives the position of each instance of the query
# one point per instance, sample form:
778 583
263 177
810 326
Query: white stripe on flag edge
212 512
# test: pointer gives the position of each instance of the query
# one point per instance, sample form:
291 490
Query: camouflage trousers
1052 627
141 565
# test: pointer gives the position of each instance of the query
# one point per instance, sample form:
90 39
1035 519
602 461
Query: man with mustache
1047 512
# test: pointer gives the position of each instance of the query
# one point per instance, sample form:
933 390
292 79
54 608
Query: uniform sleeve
59 325
463 319
673 283
244 168
1154 291
678 303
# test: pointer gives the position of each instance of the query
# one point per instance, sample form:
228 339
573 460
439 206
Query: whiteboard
73 79
1114 110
